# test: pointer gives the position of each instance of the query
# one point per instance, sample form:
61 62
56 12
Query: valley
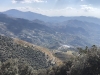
48 45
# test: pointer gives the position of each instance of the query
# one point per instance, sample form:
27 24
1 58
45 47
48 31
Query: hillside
30 31
35 56
47 52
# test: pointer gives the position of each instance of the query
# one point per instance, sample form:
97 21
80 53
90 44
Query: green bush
87 63
13 67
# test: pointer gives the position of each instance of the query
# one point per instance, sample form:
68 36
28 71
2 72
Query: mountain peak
13 10
26 15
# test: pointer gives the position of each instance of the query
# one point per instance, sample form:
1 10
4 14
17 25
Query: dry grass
42 49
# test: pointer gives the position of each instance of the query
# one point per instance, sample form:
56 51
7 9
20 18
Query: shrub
13 67
88 63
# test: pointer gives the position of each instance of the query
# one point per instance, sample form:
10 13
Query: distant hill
80 30
26 15
51 35
32 16
16 25
30 31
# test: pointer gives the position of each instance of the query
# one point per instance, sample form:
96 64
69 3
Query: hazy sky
55 7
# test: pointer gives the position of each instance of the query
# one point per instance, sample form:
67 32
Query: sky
55 7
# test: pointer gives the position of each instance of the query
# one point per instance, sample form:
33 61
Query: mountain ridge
32 16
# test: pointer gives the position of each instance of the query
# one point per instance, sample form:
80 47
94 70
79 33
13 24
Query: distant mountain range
50 32
32 16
